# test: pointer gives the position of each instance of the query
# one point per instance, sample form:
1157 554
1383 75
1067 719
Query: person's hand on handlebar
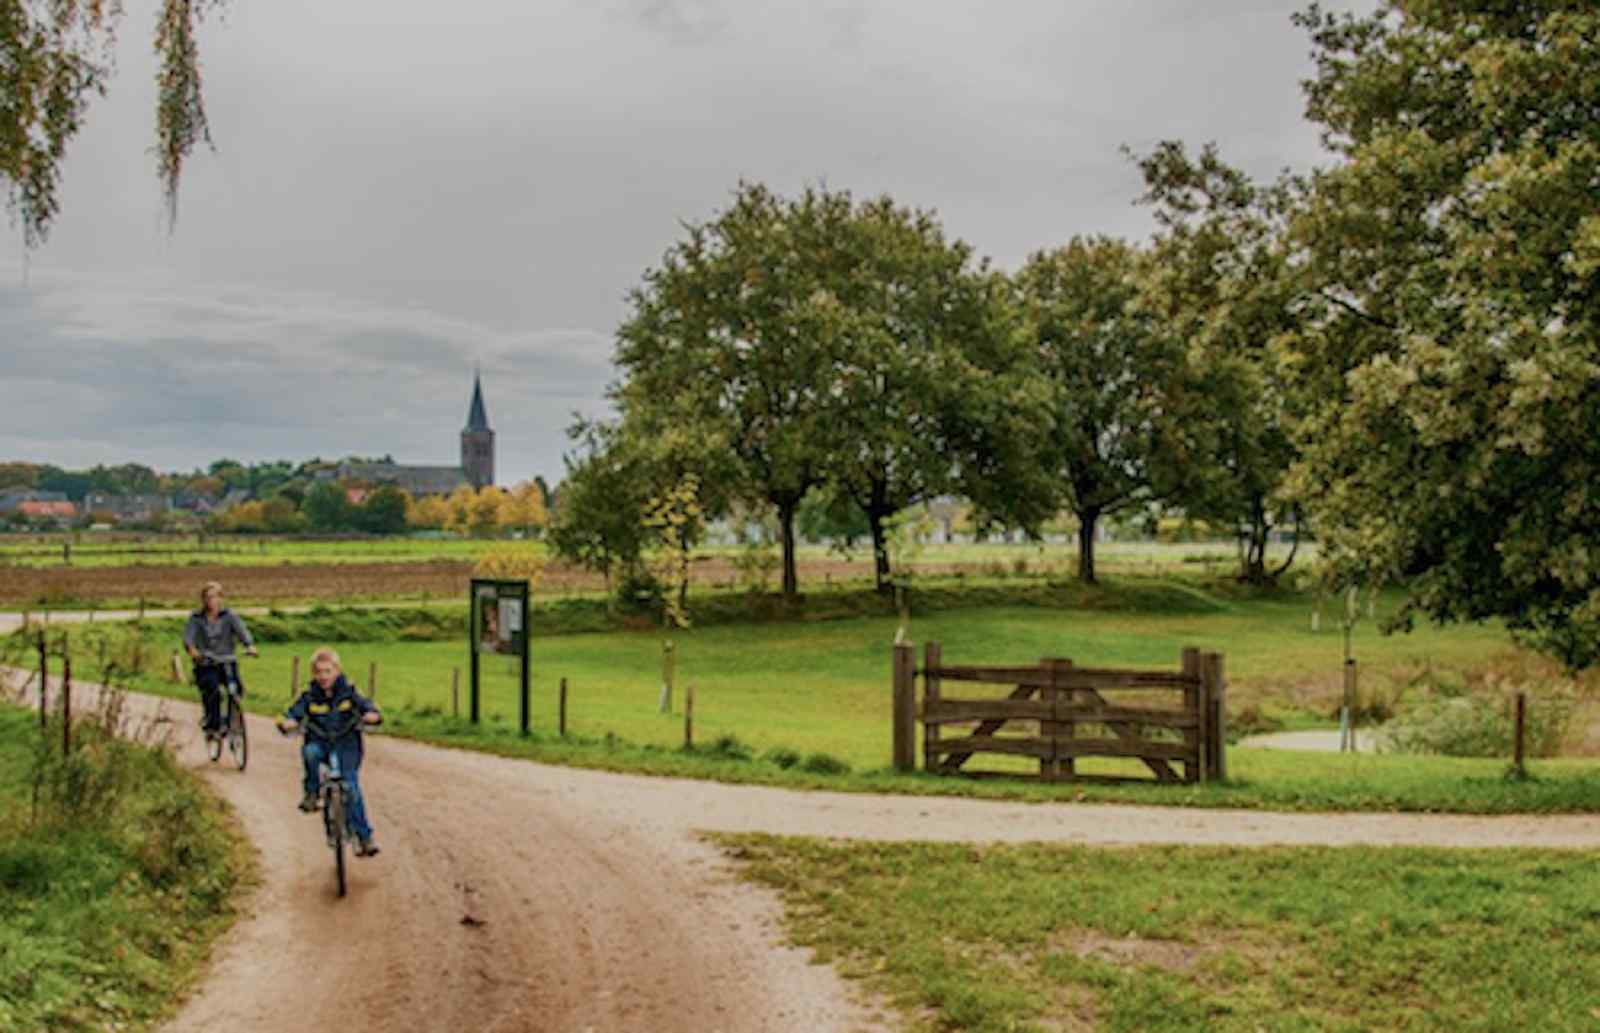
286 727
251 651
372 717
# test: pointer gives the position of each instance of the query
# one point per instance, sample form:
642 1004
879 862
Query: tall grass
117 871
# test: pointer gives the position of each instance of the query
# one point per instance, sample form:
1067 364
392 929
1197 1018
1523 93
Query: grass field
822 688
91 549
110 900
1179 939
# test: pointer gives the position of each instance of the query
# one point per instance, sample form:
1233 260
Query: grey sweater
215 639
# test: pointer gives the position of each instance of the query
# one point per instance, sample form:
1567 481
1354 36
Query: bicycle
234 732
333 799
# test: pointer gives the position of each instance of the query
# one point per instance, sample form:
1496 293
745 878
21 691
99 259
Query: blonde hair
329 655
207 588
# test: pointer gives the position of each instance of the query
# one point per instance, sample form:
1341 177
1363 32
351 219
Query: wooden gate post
1056 766
932 658
1216 697
905 707
1193 740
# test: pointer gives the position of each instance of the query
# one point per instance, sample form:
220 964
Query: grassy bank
1171 940
113 893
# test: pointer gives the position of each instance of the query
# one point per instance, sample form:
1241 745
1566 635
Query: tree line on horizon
283 497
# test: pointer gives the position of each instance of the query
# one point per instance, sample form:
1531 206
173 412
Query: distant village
350 494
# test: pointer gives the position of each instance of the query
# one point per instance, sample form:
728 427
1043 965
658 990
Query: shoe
366 848
308 803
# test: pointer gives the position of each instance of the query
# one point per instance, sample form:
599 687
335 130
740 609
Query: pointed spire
477 418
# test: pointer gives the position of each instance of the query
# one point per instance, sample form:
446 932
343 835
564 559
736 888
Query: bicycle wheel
333 814
238 740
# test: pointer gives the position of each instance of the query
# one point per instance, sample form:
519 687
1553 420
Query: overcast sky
403 188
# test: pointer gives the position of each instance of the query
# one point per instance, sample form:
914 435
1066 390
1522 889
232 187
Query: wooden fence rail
1069 715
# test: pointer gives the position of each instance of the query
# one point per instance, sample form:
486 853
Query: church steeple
477 440
477 418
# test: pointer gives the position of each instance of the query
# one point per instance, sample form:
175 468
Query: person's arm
190 630
243 632
296 711
370 714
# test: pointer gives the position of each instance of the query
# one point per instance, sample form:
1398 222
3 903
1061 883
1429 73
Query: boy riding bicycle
332 713
209 639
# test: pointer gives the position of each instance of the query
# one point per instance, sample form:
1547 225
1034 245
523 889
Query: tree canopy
1451 385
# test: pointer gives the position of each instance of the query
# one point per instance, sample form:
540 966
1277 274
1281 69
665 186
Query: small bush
730 747
783 757
824 764
1481 724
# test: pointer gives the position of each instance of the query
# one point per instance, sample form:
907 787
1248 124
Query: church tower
477 441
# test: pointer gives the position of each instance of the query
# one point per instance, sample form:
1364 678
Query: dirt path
520 897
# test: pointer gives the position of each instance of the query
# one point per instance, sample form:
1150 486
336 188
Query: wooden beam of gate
985 730
1128 731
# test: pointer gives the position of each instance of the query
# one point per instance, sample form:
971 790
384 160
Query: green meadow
794 702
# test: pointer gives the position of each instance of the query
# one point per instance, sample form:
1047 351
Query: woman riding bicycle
332 713
209 638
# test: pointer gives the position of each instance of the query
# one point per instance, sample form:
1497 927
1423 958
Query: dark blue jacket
332 716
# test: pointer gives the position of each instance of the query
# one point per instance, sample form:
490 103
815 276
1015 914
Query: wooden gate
1060 713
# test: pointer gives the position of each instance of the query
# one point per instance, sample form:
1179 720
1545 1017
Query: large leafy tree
816 340
1116 379
1453 388
56 56
927 391
1222 278
721 339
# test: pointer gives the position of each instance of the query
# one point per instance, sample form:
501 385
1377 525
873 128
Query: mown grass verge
116 876
1176 939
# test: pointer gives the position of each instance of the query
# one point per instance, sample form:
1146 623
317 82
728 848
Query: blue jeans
315 752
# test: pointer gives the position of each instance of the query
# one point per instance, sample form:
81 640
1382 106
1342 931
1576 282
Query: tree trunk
1255 567
1086 524
880 552
791 577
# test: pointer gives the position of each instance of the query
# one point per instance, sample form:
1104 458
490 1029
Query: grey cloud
404 189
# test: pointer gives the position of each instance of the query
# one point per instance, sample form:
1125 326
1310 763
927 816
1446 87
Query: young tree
599 524
1116 379
1452 378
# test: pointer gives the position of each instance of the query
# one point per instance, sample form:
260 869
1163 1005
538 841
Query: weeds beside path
117 873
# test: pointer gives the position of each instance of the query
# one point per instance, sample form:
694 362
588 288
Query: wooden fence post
455 693
66 705
372 680
561 723
1522 712
1216 698
932 660
1193 741
688 716
905 707
44 680
294 676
